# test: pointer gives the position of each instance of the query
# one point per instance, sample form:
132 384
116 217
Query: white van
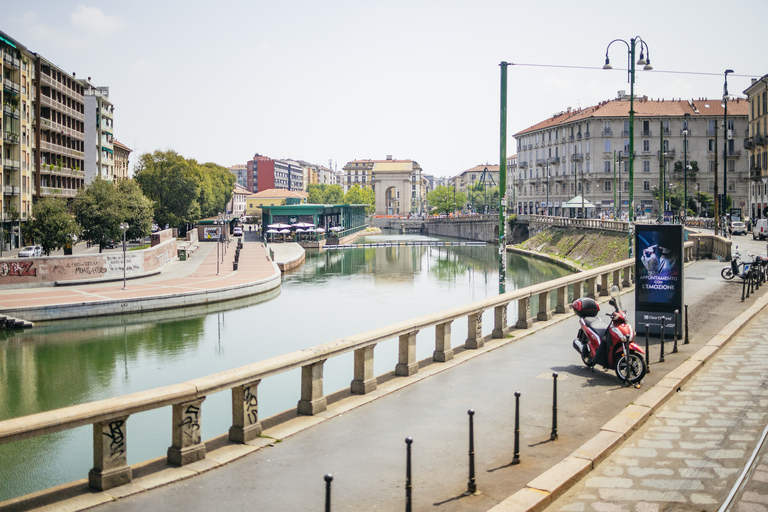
760 229
237 231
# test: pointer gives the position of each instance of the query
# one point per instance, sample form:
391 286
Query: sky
340 80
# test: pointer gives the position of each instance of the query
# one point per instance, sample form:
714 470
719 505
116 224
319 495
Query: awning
7 41
578 202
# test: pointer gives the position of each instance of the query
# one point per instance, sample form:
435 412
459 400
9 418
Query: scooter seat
597 324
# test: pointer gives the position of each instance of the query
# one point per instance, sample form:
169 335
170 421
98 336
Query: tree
216 189
478 196
53 225
98 209
324 194
137 209
365 195
446 199
172 184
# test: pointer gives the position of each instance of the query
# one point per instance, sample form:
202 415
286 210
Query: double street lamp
725 148
686 117
646 63
124 226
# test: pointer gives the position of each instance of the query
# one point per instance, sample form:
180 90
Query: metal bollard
328 480
553 435
471 485
408 481
647 349
743 287
663 325
677 330
516 456
685 342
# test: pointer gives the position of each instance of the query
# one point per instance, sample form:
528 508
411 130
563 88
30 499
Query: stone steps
9 322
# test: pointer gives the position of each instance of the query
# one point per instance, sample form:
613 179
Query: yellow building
757 145
272 197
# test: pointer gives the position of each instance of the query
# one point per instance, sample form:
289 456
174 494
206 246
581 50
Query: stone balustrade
110 417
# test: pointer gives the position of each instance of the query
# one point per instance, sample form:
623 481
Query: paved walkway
200 272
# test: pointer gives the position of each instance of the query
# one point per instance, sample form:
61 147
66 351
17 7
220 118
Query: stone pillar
605 287
407 365
443 351
627 282
364 381
562 297
617 278
499 321
524 320
110 462
312 399
592 287
245 414
545 307
474 331
186 446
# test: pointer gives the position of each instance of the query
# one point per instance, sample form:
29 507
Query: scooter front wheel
727 273
631 368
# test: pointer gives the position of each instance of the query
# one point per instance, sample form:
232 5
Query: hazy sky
219 81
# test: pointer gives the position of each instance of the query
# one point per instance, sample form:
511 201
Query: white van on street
760 229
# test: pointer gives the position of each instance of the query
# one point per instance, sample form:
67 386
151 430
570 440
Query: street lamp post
219 223
686 117
614 185
124 227
725 147
631 72
547 210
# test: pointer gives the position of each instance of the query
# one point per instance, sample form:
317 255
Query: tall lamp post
725 147
686 117
219 223
547 210
124 227
631 72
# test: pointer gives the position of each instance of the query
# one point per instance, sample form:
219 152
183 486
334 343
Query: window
607 166
646 185
711 166
711 145
646 166
626 186
607 145
587 187
666 145
646 145
665 124
626 146
626 127
731 166
607 185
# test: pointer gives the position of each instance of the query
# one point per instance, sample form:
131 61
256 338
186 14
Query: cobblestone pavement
690 454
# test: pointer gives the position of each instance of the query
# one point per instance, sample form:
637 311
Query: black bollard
743 288
647 349
471 485
408 482
685 342
553 435
328 480
677 330
661 359
516 456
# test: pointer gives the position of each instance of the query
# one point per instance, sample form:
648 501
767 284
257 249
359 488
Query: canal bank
205 277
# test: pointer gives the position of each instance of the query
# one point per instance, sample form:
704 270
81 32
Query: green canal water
335 293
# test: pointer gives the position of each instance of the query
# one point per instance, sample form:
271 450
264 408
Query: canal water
334 294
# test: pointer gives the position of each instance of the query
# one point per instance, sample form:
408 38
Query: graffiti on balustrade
117 439
18 269
190 425
251 406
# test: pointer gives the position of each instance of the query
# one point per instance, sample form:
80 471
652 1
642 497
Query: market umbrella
303 225
336 228
272 230
320 230
279 225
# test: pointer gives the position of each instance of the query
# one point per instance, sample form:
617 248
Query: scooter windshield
615 295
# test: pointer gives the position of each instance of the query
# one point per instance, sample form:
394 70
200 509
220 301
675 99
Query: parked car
31 251
110 244
739 228
237 231
760 229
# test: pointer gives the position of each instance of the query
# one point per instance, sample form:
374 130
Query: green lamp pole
631 71
725 150
503 181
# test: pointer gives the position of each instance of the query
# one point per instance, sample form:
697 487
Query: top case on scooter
585 307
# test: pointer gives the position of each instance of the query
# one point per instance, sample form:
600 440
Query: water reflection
335 293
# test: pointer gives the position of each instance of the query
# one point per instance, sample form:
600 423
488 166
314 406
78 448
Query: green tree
98 209
216 189
316 193
365 195
137 209
477 198
173 184
443 200
53 225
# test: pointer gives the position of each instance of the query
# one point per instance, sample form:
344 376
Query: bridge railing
109 417
604 224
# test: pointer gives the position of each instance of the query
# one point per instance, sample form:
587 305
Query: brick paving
691 452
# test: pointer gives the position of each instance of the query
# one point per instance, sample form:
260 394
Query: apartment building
476 176
585 153
757 145
264 173
240 173
99 133
122 159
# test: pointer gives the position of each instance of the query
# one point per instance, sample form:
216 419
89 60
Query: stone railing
109 417
710 246
603 224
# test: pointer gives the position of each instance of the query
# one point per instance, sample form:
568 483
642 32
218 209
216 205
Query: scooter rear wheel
727 273
631 369
585 353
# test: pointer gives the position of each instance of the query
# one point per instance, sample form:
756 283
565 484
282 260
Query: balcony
578 136
11 190
10 165
12 61
10 138
607 133
577 157
570 137
749 143
625 133
10 110
523 164
735 153
761 140
58 192
670 153
757 173
646 133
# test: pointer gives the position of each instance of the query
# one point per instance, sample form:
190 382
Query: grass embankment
585 248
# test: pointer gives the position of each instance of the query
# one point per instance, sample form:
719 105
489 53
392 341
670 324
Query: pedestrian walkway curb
548 486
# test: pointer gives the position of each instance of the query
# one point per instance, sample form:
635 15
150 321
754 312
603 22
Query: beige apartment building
585 154
757 145
399 185
122 159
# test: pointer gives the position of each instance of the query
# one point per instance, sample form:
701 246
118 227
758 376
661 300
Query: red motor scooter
612 346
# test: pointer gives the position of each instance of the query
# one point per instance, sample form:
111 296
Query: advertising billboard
659 266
